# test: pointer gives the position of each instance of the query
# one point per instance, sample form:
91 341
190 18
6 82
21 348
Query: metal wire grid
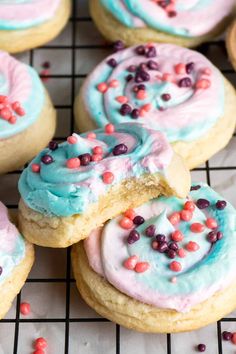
68 280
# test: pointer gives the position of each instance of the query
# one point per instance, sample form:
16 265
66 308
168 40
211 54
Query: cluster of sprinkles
45 72
169 244
10 111
168 6
94 156
140 75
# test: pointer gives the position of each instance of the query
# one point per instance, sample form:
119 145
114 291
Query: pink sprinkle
207 71
130 213
211 223
20 111
74 162
141 94
114 83
192 246
186 215
168 77
181 253
174 218
102 87
147 107
126 223
180 69
131 262
122 99
25 308
173 280
108 177
170 7
97 157
142 113
91 135
5 113
197 227
177 236
3 99
189 206
233 338
141 267
97 150
72 139
40 343
35 167
12 120
109 128
175 266
15 105
44 74
203 84
155 245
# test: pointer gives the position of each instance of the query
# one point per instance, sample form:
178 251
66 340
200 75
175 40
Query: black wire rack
215 50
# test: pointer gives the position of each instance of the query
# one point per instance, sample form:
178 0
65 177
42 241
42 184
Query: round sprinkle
122 99
47 159
132 68
5 113
211 223
141 95
173 246
85 159
233 338
40 343
112 62
189 68
138 220
35 167
203 84
150 231
140 50
125 109
114 83
171 254
168 77
174 218
53 145
189 206
109 128
102 87
25 308
134 236
180 69
219 235
192 246
155 245
72 163
212 237
97 157
162 247
12 120
141 267
201 347
175 266
131 262
166 97
130 213
203 203
152 65
118 45
91 135
227 335
221 204
151 52
72 139
185 82
207 71
97 150
181 253
135 113
120 149
197 227
126 223
186 215
108 177
177 236
129 77
160 238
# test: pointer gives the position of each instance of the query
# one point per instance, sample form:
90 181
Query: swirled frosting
12 245
208 269
19 83
23 14
59 190
190 18
176 96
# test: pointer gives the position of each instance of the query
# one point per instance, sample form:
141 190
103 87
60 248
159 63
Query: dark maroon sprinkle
125 109
138 220
133 236
166 96
120 149
151 52
53 145
112 62
135 113
173 246
221 204
172 13
189 68
161 238
140 50
47 159
171 253
162 247
142 87
129 77
118 45
212 237
150 231
85 159
142 67
132 68
163 3
152 65
202 203
195 188
227 335
185 82
144 75
46 65
0 270
219 235
201 347
138 78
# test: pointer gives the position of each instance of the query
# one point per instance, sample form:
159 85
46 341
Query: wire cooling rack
58 313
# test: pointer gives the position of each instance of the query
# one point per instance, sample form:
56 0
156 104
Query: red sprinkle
72 139
180 68
189 206
97 157
175 266
177 236
74 162
122 99
12 119
91 135
181 253
142 267
197 227
147 107
35 167
203 84
130 213
192 246
233 338
155 245
102 87
211 223
40 343
186 215
97 150
5 113
20 111
126 223
141 94
109 128
131 262
174 218
113 83
207 71
108 177
168 77
25 308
